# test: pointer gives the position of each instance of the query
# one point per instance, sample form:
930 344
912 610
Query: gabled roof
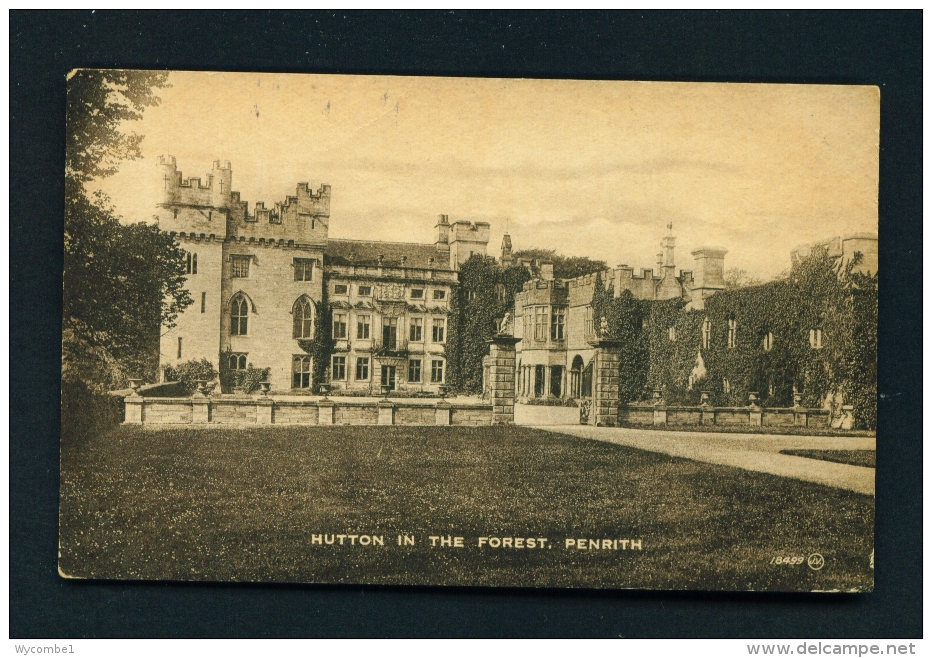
367 252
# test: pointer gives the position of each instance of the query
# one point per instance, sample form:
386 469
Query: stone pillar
442 413
660 415
605 382
800 417
264 411
386 413
132 409
325 412
502 374
201 409
706 412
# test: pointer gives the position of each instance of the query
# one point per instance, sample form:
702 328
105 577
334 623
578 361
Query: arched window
768 341
239 315
303 318
706 333
732 331
499 292
671 333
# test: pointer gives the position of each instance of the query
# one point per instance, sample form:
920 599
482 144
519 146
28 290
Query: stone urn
657 396
704 398
386 389
323 389
797 399
201 386
443 389
134 385
265 387
753 399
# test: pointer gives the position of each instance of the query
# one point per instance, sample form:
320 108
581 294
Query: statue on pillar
506 326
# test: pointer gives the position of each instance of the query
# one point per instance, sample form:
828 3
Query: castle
260 280
257 279
554 318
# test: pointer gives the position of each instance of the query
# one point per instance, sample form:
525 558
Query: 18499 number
788 560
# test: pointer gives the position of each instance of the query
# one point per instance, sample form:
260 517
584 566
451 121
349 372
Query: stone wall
732 416
265 410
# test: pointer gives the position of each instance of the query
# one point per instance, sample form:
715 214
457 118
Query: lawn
852 457
244 505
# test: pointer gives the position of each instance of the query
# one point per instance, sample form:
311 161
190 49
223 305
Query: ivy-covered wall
473 310
625 317
320 347
816 296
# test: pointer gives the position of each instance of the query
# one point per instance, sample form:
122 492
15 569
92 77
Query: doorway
388 377
539 381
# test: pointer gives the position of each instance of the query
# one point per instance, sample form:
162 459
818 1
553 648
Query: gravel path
753 452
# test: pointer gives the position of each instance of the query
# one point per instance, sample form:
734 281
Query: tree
122 282
735 278
99 102
564 267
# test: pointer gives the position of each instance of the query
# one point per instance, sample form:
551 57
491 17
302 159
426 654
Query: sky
589 168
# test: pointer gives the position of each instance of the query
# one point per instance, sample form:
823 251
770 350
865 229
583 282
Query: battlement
305 192
465 231
844 247
190 203
544 284
647 274
192 191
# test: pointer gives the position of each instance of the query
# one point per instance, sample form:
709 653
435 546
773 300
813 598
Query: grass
853 457
241 505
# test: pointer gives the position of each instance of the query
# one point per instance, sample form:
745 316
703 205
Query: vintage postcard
473 332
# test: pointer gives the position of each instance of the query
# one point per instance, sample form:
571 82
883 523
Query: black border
877 48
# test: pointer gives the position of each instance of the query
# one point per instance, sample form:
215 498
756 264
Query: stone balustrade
262 410
753 416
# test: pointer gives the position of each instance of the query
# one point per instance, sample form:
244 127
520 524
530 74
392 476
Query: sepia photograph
385 330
